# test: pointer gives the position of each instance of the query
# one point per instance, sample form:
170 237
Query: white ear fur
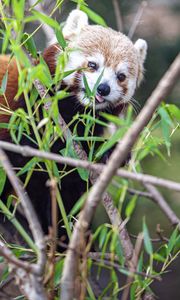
76 20
141 47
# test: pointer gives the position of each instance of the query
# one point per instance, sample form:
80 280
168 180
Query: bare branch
120 268
71 262
159 200
118 16
28 210
29 276
143 178
161 239
11 258
137 18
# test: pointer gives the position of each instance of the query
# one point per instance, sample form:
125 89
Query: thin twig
160 201
119 268
161 239
52 183
118 15
137 18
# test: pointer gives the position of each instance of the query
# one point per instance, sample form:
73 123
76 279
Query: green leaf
174 111
58 272
158 257
87 88
29 166
6 38
17 225
97 83
30 44
78 205
166 123
42 73
60 38
114 119
69 151
2 179
46 69
45 19
140 263
18 8
133 292
1 259
172 241
131 206
110 143
4 83
147 240
93 16
102 236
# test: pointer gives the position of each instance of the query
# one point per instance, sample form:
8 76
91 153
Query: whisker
136 102
134 107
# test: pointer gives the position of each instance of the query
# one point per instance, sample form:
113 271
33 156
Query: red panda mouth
99 98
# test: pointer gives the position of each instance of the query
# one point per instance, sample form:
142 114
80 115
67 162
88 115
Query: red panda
97 52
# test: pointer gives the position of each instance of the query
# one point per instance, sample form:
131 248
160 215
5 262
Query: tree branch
28 276
137 18
118 15
80 163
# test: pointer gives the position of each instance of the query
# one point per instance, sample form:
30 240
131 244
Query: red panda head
102 56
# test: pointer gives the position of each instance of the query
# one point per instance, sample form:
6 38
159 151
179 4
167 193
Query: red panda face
111 64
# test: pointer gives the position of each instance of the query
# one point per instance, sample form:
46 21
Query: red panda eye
121 77
92 65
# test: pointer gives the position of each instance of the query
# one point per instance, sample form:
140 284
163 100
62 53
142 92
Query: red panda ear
141 47
75 22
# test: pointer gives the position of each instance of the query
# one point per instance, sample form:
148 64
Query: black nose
103 89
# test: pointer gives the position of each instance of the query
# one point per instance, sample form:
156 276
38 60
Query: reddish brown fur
8 64
50 56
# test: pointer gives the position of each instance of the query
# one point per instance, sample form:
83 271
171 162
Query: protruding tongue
99 98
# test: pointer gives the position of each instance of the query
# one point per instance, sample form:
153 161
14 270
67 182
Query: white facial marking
76 61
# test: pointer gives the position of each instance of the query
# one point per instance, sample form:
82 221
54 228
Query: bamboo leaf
4 83
131 206
45 19
30 44
2 179
93 16
60 38
147 240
